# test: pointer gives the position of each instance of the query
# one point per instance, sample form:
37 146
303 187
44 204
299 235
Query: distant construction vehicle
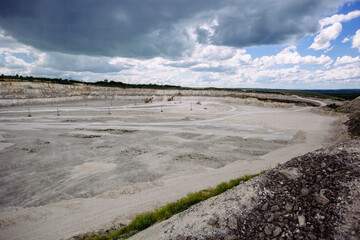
147 100
170 98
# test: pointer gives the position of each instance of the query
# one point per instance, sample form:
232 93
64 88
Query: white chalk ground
86 169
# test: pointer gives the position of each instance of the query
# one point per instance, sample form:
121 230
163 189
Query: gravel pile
315 196
352 106
303 199
353 124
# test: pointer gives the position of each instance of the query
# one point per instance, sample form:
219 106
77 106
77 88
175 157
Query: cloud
287 69
290 56
15 63
322 40
338 18
159 28
356 40
328 49
211 52
182 64
80 63
345 40
211 68
10 45
208 65
346 60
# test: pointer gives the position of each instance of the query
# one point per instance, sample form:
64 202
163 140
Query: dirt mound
354 124
315 196
352 106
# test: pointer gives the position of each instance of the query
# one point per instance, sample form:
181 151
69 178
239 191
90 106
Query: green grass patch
162 213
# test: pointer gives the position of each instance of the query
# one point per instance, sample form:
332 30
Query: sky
289 44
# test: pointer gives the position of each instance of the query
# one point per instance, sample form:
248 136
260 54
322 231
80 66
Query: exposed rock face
23 93
315 196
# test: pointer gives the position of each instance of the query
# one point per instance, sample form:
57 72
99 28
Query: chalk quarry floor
100 163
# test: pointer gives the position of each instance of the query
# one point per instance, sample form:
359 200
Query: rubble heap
315 196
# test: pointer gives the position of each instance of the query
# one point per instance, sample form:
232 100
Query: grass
143 221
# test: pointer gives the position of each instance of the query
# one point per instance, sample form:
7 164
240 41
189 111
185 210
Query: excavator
170 98
147 100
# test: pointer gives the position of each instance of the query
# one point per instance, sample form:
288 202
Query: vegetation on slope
145 220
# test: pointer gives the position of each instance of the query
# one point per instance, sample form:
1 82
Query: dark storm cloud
269 22
80 63
150 28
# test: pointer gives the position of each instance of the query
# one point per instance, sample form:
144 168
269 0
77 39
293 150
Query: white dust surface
92 167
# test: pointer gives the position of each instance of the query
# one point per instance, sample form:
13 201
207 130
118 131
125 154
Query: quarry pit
76 166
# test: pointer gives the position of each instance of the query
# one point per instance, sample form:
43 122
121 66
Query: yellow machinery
147 100
170 98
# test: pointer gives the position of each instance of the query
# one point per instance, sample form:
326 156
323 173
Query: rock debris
305 198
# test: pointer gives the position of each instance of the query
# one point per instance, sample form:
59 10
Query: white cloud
15 63
212 52
328 49
356 40
290 56
346 60
344 73
338 18
322 40
345 40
